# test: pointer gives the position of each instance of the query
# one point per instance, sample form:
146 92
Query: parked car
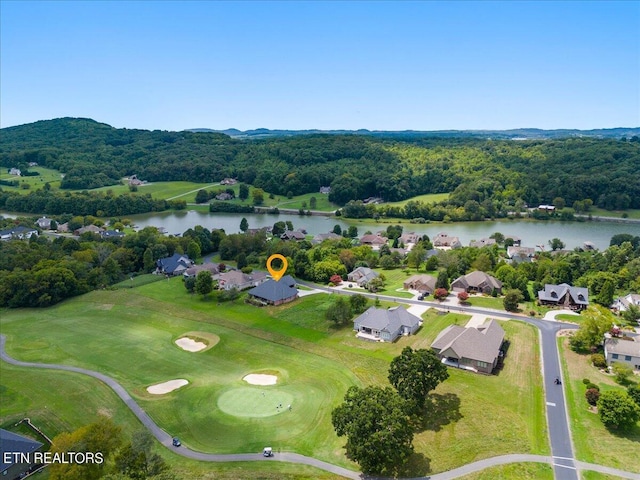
176 442
267 452
421 297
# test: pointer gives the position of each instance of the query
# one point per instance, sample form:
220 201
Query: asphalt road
562 459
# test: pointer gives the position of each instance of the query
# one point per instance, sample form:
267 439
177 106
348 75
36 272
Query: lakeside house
212 268
471 348
445 242
18 233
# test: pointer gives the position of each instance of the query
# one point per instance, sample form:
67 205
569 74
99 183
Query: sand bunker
190 345
260 379
166 387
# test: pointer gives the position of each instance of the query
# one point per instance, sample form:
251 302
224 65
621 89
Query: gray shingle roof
274 291
387 320
553 293
623 347
11 442
482 343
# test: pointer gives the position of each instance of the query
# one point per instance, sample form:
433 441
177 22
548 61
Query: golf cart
267 452
176 442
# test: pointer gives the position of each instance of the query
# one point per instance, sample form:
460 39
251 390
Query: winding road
564 464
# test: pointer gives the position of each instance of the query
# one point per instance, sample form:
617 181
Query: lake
573 234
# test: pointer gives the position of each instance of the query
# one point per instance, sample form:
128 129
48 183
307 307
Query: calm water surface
573 234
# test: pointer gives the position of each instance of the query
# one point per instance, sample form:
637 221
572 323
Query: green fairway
129 334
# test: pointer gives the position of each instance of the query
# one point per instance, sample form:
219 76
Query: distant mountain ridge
513 134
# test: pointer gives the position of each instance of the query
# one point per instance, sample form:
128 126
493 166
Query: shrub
586 381
592 396
622 372
598 360
592 386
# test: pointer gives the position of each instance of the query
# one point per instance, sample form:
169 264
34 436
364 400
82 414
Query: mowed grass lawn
426 198
129 335
592 441
47 175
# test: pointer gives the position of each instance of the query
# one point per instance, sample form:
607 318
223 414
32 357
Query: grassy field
593 443
521 471
426 198
129 335
601 212
36 182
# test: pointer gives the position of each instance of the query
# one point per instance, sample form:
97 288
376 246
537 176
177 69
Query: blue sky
330 65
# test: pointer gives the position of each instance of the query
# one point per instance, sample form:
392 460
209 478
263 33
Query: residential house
589 246
63 227
477 281
274 292
547 208
18 233
239 280
224 196
212 268
228 181
445 242
623 350
517 241
374 241
362 276
176 264
134 181
44 223
421 283
321 237
382 325
17 458
15 171
296 235
521 254
407 238
483 242
111 234
325 190
471 348
622 304
88 228
563 295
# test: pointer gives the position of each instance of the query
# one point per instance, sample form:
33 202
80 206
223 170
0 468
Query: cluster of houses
263 290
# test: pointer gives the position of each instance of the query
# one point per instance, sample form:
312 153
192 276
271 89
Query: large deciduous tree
414 373
511 300
597 321
204 283
378 430
617 410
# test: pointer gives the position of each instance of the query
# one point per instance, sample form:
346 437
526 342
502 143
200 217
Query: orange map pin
277 274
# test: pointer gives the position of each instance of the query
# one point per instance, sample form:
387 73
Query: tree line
495 174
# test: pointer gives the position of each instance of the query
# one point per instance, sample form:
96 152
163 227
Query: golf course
130 335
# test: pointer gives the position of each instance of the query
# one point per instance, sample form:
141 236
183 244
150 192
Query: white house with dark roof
564 295
623 350
472 348
380 325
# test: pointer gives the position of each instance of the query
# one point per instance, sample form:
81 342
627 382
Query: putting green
254 402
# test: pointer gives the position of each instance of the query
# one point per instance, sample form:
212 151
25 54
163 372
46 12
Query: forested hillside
92 154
